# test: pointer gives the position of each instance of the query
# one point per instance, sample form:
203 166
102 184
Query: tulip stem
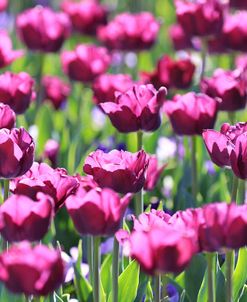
211 259
139 195
234 188
6 189
194 166
231 116
203 56
229 272
115 270
96 266
157 288
90 257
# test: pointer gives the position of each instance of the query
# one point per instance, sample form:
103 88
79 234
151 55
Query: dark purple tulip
31 270
86 62
239 4
121 171
191 113
17 152
40 28
180 39
229 86
51 151
21 218
136 109
7 117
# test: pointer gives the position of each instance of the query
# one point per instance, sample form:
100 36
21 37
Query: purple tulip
7 117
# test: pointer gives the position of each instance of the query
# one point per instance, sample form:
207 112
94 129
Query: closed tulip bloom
7 117
42 178
153 173
56 91
180 39
121 171
42 29
200 18
221 226
51 151
7 54
31 270
239 4
130 31
85 16
86 62
3 5
235 31
191 113
221 144
97 212
106 86
17 152
21 218
229 86
136 109
16 90
171 74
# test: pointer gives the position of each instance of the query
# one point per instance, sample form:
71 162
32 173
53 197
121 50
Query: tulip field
123 151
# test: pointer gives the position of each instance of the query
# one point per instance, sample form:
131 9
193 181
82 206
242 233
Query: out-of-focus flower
166 149
110 144
239 4
191 113
56 91
7 117
229 86
31 270
121 171
42 178
216 44
235 31
51 151
106 85
7 55
200 18
106 247
130 31
3 5
16 90
180 39
40 28
85 15
21 218
136 109
86 62
172 293
208 165
98 117
171 74
17 152
153 173
97 212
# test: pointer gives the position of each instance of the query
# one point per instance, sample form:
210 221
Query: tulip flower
238 4
51 151
17 152
97 212
191 113
7 55
16 90
42 29
85 16
136 109
86 62
153 173
106 86
171 74
130 31
200 18
179 38
21 218
31 270
121 171
42 178
56 91
229 86
7 117
3 5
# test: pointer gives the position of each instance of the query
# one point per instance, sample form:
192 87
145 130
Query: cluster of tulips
36 188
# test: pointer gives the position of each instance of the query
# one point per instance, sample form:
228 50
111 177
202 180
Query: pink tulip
7 117
153 173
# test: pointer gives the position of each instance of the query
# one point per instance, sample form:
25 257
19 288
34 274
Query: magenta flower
85 16
7 54
136 109
3 5
51 151
16 90
153 173
121 171
106 86
21 218
56 91
229 86
31 270
40 28
130 31
180 39
86 62
239 4
7 117
97 212
191 113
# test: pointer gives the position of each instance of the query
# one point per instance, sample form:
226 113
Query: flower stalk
96 267
139 195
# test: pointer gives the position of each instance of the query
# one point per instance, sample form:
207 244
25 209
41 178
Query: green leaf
243 297
240 274
105 274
